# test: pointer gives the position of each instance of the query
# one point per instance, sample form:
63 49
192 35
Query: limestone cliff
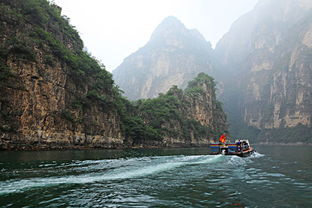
266 69
173 56
52 94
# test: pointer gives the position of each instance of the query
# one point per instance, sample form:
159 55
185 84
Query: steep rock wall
265 60
48 98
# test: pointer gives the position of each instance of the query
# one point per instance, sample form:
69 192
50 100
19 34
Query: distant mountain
173 56
265 67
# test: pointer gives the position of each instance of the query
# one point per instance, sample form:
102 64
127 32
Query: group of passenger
242 146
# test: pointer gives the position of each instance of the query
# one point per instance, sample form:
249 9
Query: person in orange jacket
222 138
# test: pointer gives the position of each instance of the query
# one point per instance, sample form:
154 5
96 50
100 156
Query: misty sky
113 29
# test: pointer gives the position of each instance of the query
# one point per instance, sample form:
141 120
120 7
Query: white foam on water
256 155
205 159
236 161
239 161
135 168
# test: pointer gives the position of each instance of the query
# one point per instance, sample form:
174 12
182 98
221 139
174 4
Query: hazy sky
113 29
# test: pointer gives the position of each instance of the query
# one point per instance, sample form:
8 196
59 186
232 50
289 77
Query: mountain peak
171 21
173 56
173 32
170 25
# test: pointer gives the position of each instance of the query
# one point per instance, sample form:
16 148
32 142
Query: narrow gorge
262 66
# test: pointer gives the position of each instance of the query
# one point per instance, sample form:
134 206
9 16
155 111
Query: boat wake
103 170
256 155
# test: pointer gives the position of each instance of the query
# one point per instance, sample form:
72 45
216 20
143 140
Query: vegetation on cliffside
169 116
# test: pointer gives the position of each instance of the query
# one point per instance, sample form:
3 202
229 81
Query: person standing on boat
222 138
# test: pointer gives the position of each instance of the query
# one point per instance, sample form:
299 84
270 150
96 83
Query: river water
275 176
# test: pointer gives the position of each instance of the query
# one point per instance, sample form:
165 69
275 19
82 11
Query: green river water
275 176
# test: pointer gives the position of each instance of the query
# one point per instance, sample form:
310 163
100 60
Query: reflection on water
277 176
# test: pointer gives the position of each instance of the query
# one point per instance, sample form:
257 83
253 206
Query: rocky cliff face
266 67
173 56
53 95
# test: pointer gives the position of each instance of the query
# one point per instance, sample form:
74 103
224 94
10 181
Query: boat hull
243 153
231 149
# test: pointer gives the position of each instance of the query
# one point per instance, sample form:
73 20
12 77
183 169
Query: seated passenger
239 145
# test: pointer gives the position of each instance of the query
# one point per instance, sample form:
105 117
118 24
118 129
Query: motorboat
240 148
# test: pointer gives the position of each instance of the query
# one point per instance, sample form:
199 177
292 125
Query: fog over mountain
113 29
264 63
263 67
